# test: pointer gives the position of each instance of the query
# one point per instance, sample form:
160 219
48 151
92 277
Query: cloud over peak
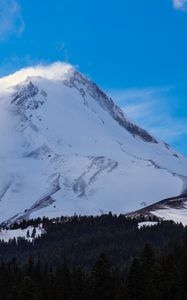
55 71
180 4
11 21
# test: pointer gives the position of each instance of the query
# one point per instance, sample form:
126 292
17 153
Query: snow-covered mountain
66 148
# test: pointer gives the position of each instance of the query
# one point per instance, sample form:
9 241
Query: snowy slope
9 234
66 148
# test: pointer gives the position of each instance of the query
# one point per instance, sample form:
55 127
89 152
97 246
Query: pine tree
33 235
28 234
78 284
101 280
63 283
134 281
147 262
28 290
121 293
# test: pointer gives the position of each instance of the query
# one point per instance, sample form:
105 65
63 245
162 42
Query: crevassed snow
63 152
147 223
9 234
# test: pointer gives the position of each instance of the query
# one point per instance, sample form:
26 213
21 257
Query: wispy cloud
180 4
54 71
156 110
63 49
11 21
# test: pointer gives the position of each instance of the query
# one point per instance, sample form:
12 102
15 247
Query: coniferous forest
105 257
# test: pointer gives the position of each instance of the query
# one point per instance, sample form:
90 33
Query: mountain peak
21 82
67 148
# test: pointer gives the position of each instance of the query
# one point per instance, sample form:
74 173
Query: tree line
83 239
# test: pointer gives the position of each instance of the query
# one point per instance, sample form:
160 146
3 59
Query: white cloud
180 4
156 110
55 71
11 21
11 64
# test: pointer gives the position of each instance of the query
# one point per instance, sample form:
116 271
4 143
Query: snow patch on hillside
146 224
175 214
27 233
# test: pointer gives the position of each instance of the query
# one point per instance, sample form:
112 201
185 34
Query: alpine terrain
66 148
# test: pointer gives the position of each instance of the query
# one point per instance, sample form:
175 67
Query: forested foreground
150 276
96 258
82 239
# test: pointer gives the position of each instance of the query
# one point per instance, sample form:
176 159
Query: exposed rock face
85 86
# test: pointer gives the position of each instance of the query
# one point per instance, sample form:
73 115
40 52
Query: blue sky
135 50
